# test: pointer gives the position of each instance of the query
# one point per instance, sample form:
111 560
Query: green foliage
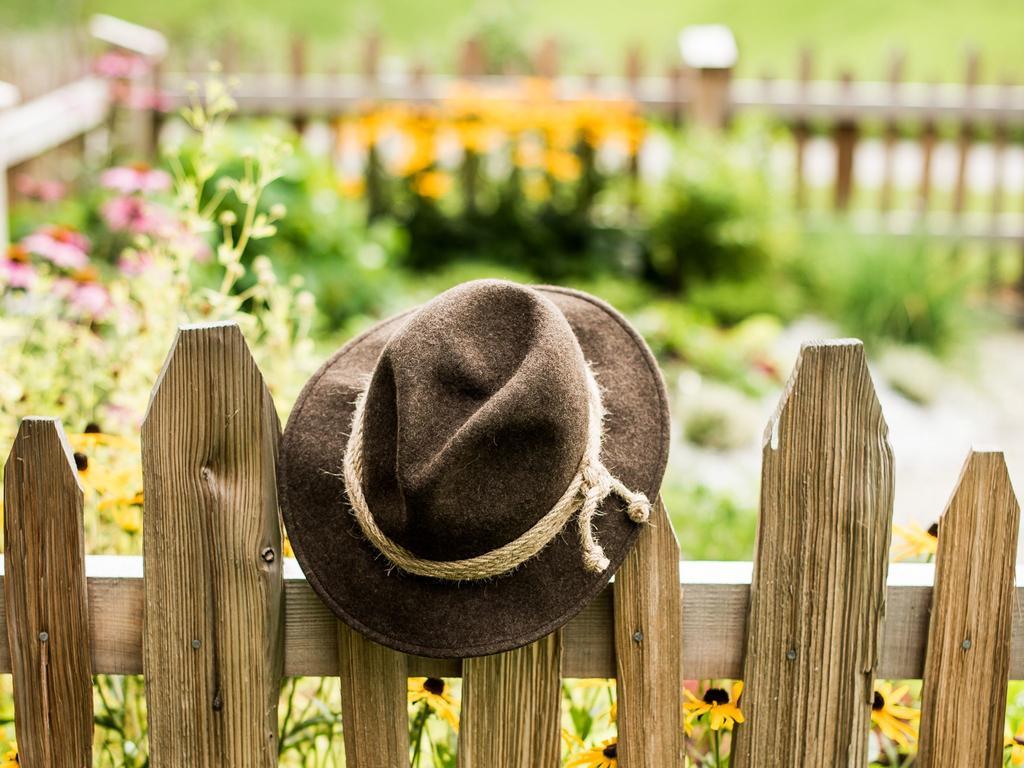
890 290
713 230
712 524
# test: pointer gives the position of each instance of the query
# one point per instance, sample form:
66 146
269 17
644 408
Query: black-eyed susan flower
571 741
896 722
1014 741
721 706
10 759
127 511
603 755
916 541
433 692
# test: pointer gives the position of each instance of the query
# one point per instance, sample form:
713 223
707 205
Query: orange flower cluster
542 134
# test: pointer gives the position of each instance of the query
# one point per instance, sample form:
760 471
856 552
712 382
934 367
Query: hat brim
430 617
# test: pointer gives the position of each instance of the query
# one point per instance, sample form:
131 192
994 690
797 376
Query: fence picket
373 702
45 599
818 590
511 708
845 134
965 135
648 626
891 131
213 635
968 655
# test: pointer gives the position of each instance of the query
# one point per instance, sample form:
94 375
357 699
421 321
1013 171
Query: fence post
511 708
545 62
818 591
45 599
968 655
297 51
375 721
846 147
213 635
473 60
709 50
802 127
966 133
648 637
891 132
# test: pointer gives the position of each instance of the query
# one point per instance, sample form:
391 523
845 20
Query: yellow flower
11 759
129 517
1015 741
352 187
432 184
433 691
536 188
529 154
895 721
572 741
286 548
563 166
721 706
917 542
604 755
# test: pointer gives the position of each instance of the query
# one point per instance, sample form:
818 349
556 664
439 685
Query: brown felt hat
463 478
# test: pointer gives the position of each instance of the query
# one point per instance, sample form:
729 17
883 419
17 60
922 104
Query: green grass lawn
858 34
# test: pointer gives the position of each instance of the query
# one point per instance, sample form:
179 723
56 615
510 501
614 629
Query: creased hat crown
476 421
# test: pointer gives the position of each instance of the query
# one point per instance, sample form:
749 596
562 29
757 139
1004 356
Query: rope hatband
591 485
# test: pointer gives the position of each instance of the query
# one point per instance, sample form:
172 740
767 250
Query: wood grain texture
647 626
818 589
511 708
214 617
45 601
968 654
714 626
374 712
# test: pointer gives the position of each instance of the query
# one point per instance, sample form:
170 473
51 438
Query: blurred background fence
943 159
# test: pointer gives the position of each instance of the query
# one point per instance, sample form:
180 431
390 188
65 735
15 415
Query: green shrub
711 524
883 289
713 219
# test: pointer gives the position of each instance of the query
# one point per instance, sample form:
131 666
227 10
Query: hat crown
476 420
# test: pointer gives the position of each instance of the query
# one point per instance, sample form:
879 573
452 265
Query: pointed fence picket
220 616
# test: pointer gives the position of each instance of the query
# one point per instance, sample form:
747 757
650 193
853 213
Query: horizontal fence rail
715 598
324 94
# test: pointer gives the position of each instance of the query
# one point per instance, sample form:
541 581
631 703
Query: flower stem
716 749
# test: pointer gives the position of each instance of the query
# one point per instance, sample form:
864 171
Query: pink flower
16 271
120 65
134 263
62 246
134 214
127 179
193 245
44 190
85 295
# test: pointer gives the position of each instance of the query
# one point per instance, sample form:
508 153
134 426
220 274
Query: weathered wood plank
214 616
648 633
511 708
373 701
968 656
817 595
715 604
45 604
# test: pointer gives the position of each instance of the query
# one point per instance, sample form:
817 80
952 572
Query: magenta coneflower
16 271
62 246
127 213
127 179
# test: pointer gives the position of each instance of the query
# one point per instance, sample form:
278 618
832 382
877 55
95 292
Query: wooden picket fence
220 616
